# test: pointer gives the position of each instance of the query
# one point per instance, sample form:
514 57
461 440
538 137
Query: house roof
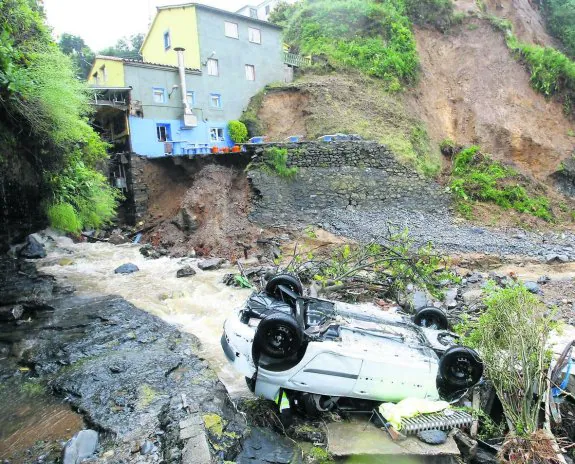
141 63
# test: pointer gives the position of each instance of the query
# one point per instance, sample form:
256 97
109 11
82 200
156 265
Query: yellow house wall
183 27
114 73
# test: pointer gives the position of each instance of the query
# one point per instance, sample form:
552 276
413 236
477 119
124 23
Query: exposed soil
528 23
474 92
216 201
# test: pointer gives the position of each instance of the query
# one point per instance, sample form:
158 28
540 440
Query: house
200 67
263 10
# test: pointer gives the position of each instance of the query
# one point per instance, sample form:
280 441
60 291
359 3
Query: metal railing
296 60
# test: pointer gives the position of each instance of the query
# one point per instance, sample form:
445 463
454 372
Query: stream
197 304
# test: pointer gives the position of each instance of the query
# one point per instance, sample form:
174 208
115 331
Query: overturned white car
325 354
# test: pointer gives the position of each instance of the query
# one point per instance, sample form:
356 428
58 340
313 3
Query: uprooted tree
383 269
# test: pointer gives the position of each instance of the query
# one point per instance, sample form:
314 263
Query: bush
238 131
373 37
275 159
63 217
560 16
476 176
511 336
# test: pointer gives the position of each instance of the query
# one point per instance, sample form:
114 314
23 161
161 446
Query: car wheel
432 318
460 367
288 280
315 405
278 336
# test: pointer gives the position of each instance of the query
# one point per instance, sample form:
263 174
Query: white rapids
198 304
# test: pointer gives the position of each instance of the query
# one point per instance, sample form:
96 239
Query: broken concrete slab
211 264
371 441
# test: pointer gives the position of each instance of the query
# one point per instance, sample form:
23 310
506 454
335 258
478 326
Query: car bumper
237 342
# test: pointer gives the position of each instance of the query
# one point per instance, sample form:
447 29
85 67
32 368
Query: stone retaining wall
339 175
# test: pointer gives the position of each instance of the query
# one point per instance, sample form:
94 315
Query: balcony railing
296 60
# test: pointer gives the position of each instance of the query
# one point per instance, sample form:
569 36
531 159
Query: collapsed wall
356 175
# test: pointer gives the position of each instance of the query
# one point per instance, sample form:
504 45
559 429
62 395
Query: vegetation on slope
476 177
46 108
560 15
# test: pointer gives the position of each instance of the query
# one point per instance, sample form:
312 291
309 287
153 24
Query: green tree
82 55
561 22
45 108
126 47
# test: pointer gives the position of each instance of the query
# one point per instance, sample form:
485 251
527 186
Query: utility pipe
181 66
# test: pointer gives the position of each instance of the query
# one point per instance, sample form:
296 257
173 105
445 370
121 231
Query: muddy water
32 418
198 304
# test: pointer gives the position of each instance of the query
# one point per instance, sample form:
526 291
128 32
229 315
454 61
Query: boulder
418 300
211 264
432 437
186 271
127 268
532 287
33 249
472 296
543 280
81 446
117 238
450 298
553 258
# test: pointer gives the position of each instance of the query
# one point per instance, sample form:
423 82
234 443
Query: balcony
298 61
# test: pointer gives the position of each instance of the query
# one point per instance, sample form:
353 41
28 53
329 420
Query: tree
126 47
82 56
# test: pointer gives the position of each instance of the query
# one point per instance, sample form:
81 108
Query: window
191 98
254 13
159 95
167 40
217 135
103 73
213 69
232 30
215 100
163 131
268 8
255 35
250 72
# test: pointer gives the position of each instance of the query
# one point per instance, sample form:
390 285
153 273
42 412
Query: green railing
296 60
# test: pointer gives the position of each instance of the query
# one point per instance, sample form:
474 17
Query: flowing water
198 304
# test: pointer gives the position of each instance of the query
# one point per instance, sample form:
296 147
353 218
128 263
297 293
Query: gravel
442 230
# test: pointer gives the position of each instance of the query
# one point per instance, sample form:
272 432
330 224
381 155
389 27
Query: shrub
476 176
238 131
275 159
437 13
512 336
560 15
63 217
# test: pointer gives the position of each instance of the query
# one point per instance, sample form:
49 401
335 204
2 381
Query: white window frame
191 98
231 30
217 134
268 9
156 91
250 72
167 43
254 13
216 97
213 67
255 35
167 132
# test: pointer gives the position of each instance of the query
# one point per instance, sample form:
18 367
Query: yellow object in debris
410 407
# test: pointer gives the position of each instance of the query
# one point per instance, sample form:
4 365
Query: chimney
190 119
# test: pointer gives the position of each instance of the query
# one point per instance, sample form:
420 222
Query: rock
474 278
81 446
418 300
450 297
251 261
467 445
532 287
11 313
432 437
147 447
117 238
211 264
556 258
543 280
472 296
186 271
128 268
33 249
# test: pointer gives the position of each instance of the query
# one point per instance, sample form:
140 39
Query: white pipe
183 87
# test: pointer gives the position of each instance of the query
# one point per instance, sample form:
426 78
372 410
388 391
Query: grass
476 177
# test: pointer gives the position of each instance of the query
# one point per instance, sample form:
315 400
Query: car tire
278 336
460 368
287 280
432 318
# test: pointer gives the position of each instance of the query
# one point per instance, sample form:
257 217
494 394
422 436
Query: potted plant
214 149
225 150
236 149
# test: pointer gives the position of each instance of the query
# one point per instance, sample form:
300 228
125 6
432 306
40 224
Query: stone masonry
355 175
